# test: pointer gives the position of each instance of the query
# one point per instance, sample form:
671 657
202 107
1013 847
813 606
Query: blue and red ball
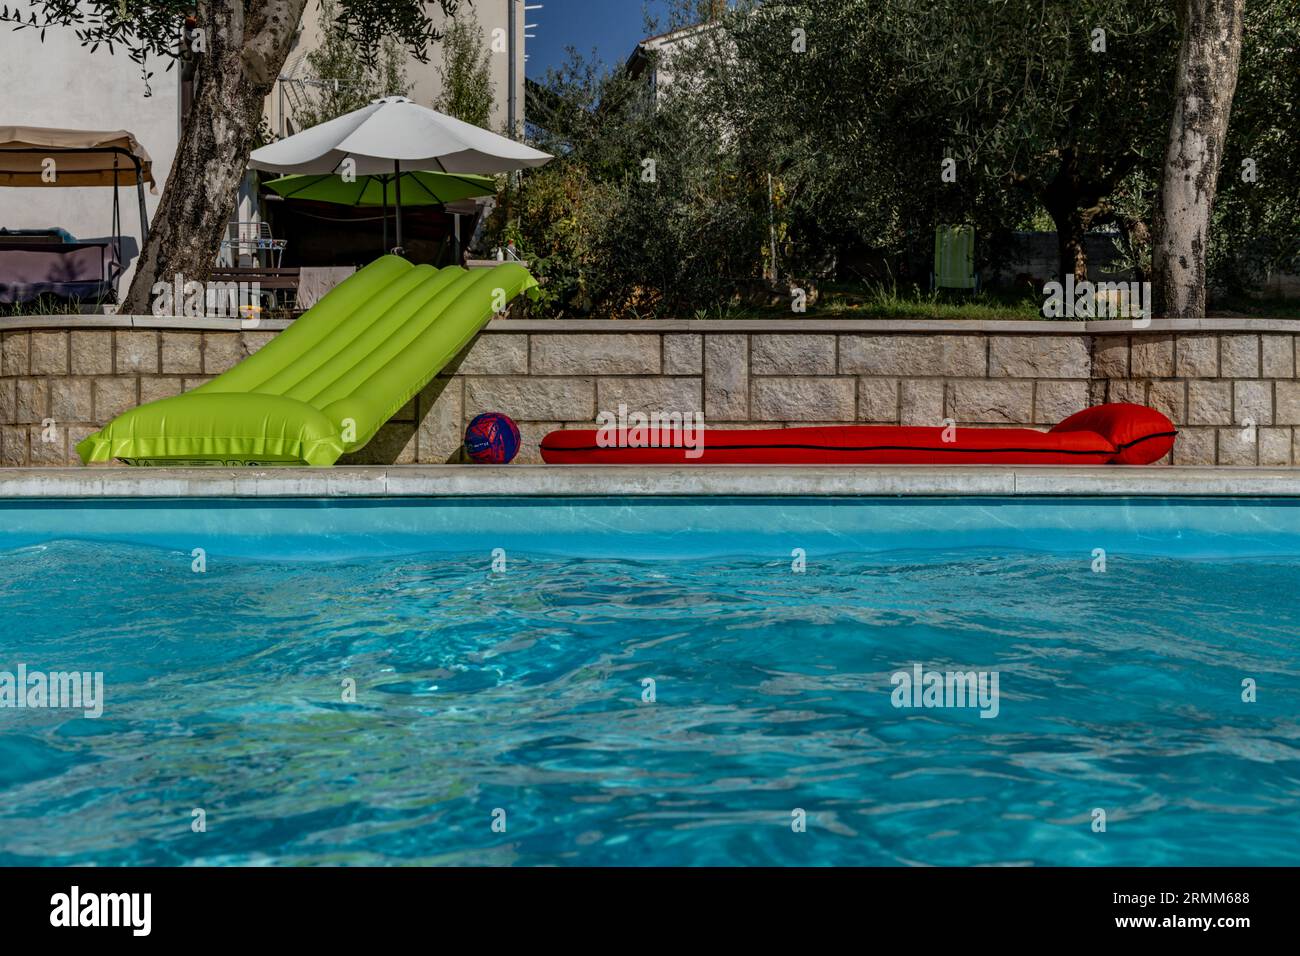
492 439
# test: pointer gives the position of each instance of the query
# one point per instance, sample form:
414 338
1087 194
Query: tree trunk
1203 89
1137 241
1063 199
1070 245
245 45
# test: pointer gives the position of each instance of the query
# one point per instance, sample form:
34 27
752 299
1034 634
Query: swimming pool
668 681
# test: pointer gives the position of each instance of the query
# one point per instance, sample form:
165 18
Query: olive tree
822 127
1255 226
889 114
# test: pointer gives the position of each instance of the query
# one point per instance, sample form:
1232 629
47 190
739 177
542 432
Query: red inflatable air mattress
1106 434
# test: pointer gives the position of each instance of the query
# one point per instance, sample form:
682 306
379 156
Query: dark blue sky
611 27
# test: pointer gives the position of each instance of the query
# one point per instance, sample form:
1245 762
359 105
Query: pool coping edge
530 481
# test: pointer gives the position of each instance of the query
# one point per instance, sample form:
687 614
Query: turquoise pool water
518 696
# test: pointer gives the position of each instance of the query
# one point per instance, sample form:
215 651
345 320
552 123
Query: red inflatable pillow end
1141 435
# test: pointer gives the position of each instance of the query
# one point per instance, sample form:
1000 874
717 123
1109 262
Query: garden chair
954 259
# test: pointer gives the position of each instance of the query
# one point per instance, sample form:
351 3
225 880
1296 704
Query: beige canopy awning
82 157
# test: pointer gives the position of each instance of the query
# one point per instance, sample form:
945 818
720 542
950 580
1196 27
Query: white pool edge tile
459 481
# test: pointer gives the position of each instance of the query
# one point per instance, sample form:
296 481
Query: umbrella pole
397 172
385 182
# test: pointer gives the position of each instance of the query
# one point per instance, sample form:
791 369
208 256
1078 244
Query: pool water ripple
522 691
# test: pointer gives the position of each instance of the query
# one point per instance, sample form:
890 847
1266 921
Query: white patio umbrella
390 132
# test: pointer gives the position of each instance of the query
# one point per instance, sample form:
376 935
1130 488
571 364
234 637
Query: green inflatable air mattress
325 385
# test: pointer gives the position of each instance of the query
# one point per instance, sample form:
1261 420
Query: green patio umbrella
416 188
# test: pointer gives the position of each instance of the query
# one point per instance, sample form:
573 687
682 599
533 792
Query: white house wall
425 79
59 83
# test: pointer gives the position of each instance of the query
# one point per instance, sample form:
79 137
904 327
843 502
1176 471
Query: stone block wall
1213 378
81 378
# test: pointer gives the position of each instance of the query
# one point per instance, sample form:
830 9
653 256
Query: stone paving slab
788 326
452 481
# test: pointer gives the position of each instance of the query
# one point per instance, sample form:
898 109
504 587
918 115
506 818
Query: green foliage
557 221
370 22
1047 130
142 29
883 301
344 78
1256 225
153 29
47 304
466 74
645 211
857 127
